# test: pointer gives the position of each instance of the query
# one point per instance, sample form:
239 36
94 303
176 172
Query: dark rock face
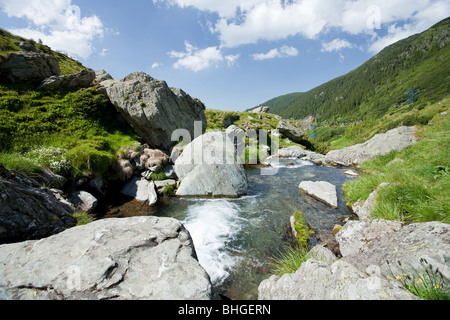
82 79
29 211
28 67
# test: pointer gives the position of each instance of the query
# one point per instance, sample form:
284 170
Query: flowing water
235 238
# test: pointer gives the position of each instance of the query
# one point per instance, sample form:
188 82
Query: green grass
81 125
288 260
8 45
82 218
425 282
215 120
158 176
419 178
20 163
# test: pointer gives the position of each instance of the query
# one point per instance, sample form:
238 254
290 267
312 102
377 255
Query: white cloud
336 45
103 53
271 20
156 65
421 21
199 59
284 51
57 23
242 22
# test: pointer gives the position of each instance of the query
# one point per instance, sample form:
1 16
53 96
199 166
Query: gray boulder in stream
153 109
207 167
140 258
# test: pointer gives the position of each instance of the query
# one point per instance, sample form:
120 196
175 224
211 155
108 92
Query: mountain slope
383 83
9 43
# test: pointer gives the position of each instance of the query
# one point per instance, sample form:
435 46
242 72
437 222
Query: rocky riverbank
44 256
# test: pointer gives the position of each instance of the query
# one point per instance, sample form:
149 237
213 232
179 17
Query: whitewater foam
213 225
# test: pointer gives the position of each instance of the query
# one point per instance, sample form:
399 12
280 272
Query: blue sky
233 54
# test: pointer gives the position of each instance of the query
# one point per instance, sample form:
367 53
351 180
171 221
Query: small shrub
83 218
288 261
168 190
158 176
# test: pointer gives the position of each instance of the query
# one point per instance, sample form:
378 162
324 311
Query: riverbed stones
28 210
208 167
381 144
154 110
302 154
154 158
142 190
83 201
321 190
140 258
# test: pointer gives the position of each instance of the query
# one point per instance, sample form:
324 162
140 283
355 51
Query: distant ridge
420 62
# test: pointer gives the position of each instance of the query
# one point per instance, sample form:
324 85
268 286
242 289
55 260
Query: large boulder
153 109
290 131
381 144
28 210
28 67
141 258
101 75
262 109
83 79
208 167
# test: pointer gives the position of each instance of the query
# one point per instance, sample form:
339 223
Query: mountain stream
236 238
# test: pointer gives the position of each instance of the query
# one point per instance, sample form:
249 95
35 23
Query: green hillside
72 132
9 44
382 84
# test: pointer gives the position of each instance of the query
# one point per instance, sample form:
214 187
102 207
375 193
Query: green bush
82 218
168 190
158 176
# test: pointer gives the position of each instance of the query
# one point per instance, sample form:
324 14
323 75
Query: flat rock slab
140 258
321 190
394 140
319 280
